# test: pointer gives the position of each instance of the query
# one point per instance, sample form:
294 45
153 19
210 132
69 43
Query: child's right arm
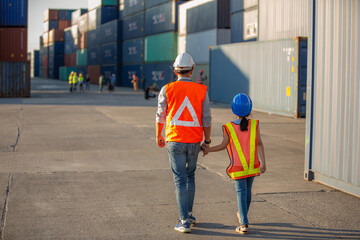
219 147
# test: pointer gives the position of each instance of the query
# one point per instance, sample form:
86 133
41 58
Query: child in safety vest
243 142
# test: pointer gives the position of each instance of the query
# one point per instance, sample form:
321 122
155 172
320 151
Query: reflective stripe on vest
249 170
183 120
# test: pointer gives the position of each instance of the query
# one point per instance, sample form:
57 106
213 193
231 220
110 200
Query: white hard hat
184 62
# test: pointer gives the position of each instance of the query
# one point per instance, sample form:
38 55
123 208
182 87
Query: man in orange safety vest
184 107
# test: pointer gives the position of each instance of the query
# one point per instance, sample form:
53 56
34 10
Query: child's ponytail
244 123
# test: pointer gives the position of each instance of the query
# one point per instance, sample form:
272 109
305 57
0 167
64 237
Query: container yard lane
86 166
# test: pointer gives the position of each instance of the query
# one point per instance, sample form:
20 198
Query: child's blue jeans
243 193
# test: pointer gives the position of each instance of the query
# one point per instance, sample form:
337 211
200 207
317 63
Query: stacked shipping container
244 20
104 55
14 68
53 52
35 60
133 44
277 20
202 24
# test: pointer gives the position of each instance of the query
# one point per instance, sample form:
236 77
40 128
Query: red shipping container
51 14
70 60
62 24
13 44
83 40
56 36
45 61
94 73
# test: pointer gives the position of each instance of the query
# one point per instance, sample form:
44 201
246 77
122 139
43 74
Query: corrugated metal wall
267 71
279 19
333 132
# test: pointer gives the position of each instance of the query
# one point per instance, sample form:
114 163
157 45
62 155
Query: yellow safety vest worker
183 121
70 79
242 150
74 79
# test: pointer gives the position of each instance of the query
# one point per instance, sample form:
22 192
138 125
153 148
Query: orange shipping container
62 24
13 44
46 38
94 73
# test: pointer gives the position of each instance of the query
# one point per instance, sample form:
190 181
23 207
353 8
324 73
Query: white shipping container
333 129
197 44
92 19
84 23
279 19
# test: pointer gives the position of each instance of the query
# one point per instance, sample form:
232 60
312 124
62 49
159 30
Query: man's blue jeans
243 193
183 158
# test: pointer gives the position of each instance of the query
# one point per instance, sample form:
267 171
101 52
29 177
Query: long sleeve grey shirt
162 107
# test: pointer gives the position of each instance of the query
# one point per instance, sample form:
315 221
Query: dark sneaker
183 227
192 220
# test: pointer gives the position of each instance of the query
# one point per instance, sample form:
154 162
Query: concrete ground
86 166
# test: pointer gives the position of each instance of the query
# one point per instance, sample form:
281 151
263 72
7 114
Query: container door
302 77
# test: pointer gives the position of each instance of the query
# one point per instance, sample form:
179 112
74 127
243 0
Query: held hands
205 148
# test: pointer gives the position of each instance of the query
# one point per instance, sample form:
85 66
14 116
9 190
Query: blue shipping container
106 14
127 73
82 70
36 62
44 51
93 55
207 16
14 79
239 5
133 51
69 47
93 38
133 26
237 28
133 6
56 48
51 24
111 53
56 61
108 70
159 73
162 18
153 3
13 13
65 14
53 72
111 32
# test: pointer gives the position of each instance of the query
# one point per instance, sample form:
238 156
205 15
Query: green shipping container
65 72
92 4
81 57
161 47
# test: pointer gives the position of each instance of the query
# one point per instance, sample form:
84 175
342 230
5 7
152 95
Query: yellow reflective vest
242 150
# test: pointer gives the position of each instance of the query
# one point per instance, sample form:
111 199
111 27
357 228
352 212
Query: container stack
103 55
81 53
35 60
14 68
275 67
203 24
133 44
244 20
55 21
72 43
161 34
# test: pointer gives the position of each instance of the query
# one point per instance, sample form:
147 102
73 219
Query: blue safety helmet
241 105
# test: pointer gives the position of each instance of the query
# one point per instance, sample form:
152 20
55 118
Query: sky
36 17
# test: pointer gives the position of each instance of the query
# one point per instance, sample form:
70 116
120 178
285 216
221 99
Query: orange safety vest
242 150
184 112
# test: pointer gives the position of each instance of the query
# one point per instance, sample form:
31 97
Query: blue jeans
243 193
183 158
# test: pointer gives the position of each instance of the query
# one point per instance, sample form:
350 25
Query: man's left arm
206 120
